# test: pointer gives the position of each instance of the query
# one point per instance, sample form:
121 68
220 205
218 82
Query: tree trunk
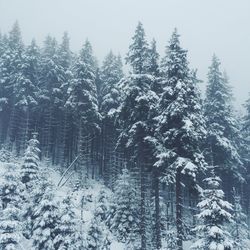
157 209
143 206
179 210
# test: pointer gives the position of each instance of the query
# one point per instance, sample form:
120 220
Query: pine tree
111 74
153 59
171 239
135 126
180 125
214 215
138 51
82 96
33 198
30 167
52 77
222 148
12 79
65 58
239 226
95 237
26 91
245 150
31 178
68 236
46 220
10 213
5 93
125 220
82 101
10 228
30 91
102 208
247 116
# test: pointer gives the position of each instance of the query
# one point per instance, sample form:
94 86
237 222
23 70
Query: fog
206 27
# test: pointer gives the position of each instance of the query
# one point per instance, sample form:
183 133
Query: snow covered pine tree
215 213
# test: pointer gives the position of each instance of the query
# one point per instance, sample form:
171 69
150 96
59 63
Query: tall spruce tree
138 97
12 80
221 145
29 91
64 139
82 101
50 97
180 125
245 150
111 74
4 92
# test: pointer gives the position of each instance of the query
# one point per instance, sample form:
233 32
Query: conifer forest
121 154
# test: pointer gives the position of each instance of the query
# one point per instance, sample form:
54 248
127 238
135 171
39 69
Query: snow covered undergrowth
87 209
85 201
90 206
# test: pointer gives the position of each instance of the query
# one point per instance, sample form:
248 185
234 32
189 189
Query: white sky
206 27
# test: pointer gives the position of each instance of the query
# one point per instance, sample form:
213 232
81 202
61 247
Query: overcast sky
206 27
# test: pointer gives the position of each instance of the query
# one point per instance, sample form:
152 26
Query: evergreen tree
82 97
27 87
10 213
45 222
82 101
213 217
135 126
31 178
245 150
29 92
153 59
12 80
239 227
65 58
222 148
10 228
33 198
246 135
30 167
5 93
180 125
247 116
171 239
95 237
154 68
68 236
64 53
111 74
125 220
51 101
137 56
102 208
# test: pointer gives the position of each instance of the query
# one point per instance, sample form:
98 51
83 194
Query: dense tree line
148 134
